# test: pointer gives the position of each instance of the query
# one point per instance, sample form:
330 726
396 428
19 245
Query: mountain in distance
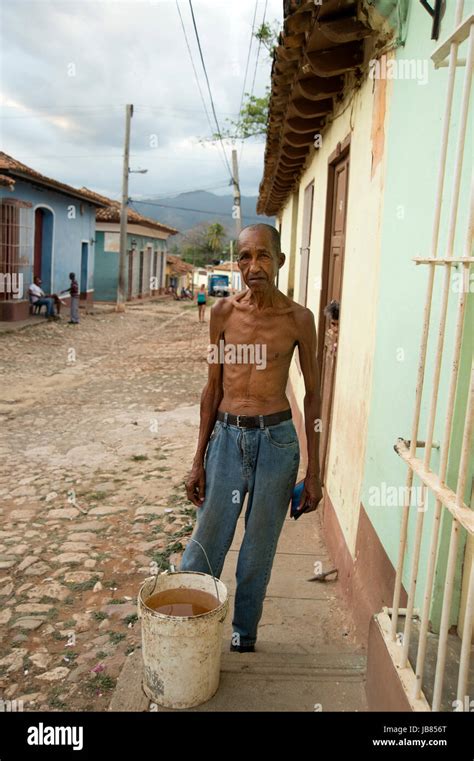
187 210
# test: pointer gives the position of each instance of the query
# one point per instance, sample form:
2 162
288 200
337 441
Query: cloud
68 68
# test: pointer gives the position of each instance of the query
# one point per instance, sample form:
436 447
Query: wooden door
333 265
306 242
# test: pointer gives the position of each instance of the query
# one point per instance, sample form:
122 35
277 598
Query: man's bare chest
277 333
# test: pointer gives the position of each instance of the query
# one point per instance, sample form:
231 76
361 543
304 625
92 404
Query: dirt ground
99 426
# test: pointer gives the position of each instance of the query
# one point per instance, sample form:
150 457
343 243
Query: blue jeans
262 462
49 303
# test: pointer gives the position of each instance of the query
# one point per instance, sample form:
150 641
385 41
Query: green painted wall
106 265
412 146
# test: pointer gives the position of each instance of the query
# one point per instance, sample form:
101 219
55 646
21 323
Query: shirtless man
247 440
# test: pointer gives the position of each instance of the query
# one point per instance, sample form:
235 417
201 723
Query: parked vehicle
218 285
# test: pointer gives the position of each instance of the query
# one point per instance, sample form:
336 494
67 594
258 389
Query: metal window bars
444 496
16 219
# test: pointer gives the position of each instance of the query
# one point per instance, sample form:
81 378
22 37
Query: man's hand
196 484
312 494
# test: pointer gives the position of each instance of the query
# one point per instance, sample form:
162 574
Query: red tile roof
111 213
178 266
11 167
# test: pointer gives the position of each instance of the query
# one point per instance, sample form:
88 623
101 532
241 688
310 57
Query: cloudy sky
68 67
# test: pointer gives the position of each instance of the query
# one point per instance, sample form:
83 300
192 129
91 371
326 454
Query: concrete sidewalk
306 657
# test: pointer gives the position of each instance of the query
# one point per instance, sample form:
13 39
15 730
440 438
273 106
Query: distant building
179 274
47 229
146 252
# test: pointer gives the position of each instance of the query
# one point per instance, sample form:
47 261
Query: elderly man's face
257 261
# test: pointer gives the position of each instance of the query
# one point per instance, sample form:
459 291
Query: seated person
39 298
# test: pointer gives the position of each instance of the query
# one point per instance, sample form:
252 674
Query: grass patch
149 518
162 558
96 496
116 637
101 682
131 619
139 457
70 655
54 701
101 654
100 615
82 586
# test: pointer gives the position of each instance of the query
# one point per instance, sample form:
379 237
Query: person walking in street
73 290
247 443
201 302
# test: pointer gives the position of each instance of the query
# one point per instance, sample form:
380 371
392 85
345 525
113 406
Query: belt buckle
238 420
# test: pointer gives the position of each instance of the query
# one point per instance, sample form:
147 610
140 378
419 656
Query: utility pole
236 211
124 213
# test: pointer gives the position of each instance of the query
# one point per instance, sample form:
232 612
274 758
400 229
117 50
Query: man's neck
270 297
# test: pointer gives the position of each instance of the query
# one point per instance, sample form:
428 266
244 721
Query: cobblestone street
99 426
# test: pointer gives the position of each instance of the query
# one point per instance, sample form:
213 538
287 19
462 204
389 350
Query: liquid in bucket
182 602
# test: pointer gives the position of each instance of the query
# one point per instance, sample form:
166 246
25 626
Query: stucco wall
359 295
70 227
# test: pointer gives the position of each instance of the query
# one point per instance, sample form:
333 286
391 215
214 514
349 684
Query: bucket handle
210 568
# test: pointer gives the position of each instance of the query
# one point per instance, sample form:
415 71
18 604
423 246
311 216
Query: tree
253 116
202 244
215 235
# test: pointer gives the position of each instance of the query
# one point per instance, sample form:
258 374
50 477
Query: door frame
341 153
342 150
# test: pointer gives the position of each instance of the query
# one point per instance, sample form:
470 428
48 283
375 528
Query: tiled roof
177 265
320 51
10 166
226 266
8 182
111 213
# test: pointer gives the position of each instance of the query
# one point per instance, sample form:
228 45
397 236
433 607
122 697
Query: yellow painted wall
359 294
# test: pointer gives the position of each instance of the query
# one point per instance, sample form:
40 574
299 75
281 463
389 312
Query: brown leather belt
253 421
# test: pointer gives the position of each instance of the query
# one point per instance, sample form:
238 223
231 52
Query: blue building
145 273
47 229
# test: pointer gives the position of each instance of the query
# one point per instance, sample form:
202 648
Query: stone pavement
99 424
306 657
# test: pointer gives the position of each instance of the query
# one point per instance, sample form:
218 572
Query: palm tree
215 235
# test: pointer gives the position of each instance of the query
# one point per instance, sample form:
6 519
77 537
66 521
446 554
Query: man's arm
210 399
307 348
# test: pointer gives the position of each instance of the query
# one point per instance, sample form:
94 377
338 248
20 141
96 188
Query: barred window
16 249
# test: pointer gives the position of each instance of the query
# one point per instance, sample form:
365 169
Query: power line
185 208
209 88
194 68
247 64
255 72
189 190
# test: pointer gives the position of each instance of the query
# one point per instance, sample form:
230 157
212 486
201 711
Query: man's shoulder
303 314
224 305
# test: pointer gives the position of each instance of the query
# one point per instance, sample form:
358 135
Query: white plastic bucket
181 655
